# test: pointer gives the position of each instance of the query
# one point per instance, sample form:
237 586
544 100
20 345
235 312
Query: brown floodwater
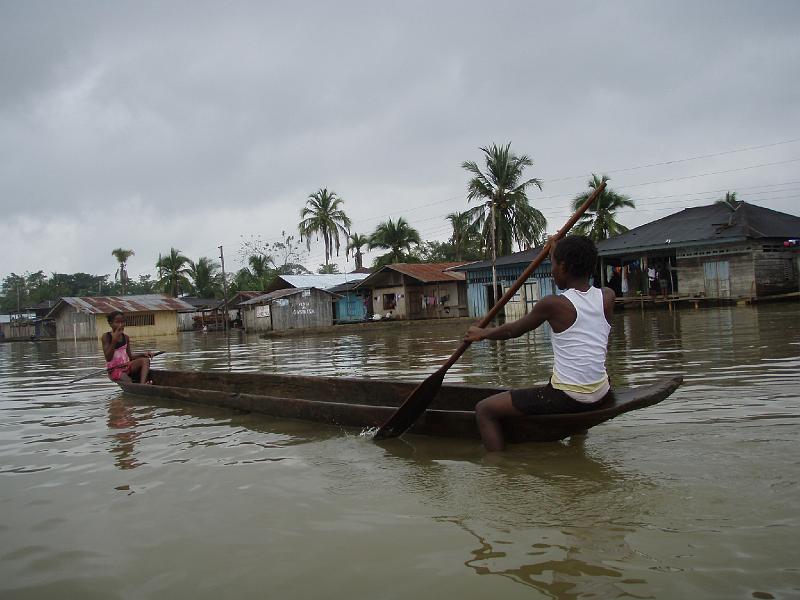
106 495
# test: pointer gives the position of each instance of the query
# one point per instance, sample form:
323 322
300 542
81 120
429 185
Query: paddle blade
413 407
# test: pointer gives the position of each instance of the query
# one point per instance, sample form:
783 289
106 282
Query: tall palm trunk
494 252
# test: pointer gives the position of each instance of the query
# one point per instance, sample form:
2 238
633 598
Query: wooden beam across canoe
367 403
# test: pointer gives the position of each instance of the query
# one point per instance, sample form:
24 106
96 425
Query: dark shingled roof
712 224
523 257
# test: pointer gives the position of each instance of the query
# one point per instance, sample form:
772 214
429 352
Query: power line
681 160
674 161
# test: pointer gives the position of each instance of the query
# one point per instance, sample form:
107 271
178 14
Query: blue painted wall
350 309
478 279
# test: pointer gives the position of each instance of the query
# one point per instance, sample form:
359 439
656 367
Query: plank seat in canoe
367 403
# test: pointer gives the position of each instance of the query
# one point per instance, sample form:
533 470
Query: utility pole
224 288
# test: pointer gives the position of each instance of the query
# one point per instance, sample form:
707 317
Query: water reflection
554 517
565 565
127 425
642 498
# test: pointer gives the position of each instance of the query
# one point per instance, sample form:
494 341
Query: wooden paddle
421 397
101 371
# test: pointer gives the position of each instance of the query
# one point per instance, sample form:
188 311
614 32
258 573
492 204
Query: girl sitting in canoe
579 318
121 363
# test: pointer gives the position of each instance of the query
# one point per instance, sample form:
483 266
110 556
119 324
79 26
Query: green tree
242 281
122 255
397 237
355 242
144 285
599 222
322 216
465 238
206 277
283 257
15 292
329 269
174 272
505 214
432 251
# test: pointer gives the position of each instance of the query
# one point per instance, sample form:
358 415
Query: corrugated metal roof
322 282
264 298
429 272
345 287
44 304
422 272
711 224
239 297
103 305
200 303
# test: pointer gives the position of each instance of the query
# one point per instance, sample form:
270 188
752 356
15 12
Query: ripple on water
123 489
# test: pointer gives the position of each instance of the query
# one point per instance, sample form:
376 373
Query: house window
140 320
389 301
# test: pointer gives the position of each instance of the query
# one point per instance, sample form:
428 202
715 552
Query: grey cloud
186 109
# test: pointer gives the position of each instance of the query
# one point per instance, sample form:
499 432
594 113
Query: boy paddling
579 318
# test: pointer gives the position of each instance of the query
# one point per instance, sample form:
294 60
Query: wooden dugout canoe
367 403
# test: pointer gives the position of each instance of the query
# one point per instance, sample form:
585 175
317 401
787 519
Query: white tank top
579 352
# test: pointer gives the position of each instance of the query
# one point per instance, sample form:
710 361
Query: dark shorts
549 401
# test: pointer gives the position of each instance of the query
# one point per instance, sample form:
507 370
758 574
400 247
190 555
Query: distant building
709 251
43 327
235 309
480 296
290 308
204 312
146 315
416 291
350 304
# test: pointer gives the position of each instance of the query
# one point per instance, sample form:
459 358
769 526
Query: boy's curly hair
578 253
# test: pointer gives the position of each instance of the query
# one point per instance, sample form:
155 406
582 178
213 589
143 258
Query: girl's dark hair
578 253
113 315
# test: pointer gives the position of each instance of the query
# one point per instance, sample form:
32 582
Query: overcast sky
148 125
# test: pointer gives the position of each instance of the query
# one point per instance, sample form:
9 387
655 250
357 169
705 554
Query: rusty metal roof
103 305
422 272
241 296
429 272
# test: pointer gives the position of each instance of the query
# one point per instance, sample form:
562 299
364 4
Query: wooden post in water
224 289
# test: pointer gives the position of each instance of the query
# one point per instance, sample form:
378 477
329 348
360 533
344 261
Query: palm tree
507 215
323 216
261 273
122 255
205 276
599 221
464 235
397 237
328 269
355 242
173 272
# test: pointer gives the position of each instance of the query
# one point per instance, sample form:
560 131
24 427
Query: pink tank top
119 362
